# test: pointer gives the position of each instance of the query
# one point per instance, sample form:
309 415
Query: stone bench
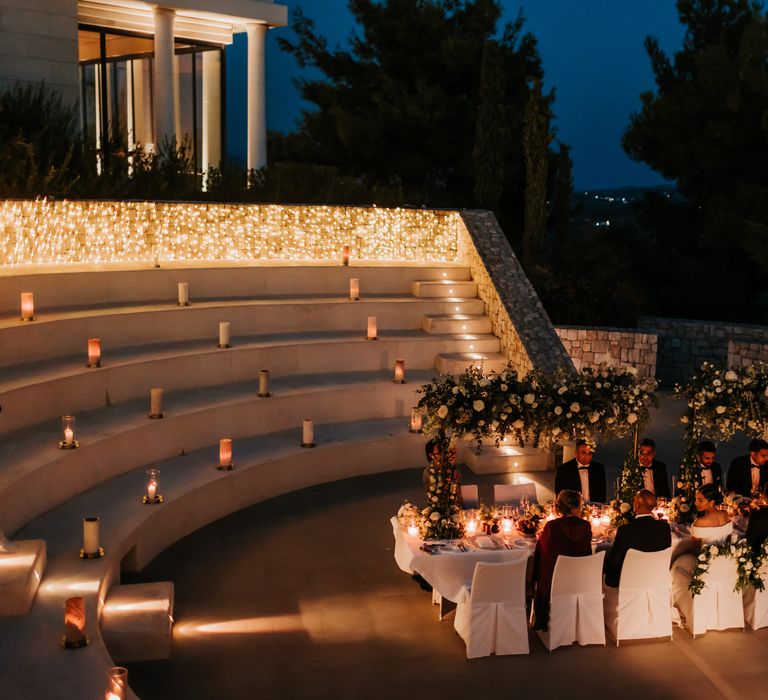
20 575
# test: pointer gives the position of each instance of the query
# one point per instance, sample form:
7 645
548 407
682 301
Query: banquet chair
576 602
470 496
491 617
756 603
511 494
718 606
639 607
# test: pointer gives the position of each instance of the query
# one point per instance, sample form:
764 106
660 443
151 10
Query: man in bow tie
582 474
654 472
748 474
710 471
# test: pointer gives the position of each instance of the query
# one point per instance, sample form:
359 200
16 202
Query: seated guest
582 474
644 533
712 525
710 471
747 474
568 535
654 472
757 527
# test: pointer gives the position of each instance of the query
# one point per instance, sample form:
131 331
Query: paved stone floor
300 597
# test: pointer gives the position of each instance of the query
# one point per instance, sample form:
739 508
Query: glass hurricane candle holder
345 255
153 482
74 636
224 334
354 289
307 433
264 391
372 329
416 420
156 403
68 433
507 525
27 306
399 372
94 352
117 683
91 548
413 528
225 454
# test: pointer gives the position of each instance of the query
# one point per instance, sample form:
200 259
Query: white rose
435 516
503 416
730 375
610 420
442 412
478 405
716 382
558 410
594 417
504 387
712 549
518 424
575 408
624 507
598 385
555 431
720 410
562 390
455 390
631 418
702 557
530 398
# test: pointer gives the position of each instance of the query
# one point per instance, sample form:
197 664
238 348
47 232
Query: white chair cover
510 494
470 496
756 603
491 618
576 602
639 607
717 607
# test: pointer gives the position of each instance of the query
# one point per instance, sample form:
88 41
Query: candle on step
224 334
153 479
372 328
27 306
354 289
117 682
74 623
308 433
399 372
91 535
183 293
345 255
264 391
155 403
94 352
415 425
225 453
68 430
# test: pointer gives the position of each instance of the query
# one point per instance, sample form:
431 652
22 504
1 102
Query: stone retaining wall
615 347
745 353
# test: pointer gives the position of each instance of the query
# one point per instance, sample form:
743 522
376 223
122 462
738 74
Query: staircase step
456 363
454 289
456 323
20 575
505 459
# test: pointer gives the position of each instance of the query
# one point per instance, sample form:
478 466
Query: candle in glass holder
155 402
153 479
94 352
27 306
91 535
68 432
117 683
74 624
413 528
225 453
345 255
416 420
183 293
472 527
507 525
264 391
399 372
372 330
307 433
224 334
354 289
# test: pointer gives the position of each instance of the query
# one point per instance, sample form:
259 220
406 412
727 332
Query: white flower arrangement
745 565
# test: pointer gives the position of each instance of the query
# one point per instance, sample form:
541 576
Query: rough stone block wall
527 336
684 344
742 353
614 347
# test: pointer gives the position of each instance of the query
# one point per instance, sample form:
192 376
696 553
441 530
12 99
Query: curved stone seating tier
30 396
116 440
196 494
57 334
65 286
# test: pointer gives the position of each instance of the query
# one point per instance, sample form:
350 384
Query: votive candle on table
413 528
506 525
94 352
472 527
225 453
224 334
155 403
416 419
91 535
117 682
399 372
345 255
354 289
307 433
264 391
372 328
27 306
183 293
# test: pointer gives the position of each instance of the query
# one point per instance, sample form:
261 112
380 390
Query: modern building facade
142 72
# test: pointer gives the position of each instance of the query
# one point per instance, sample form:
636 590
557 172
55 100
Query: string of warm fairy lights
42 231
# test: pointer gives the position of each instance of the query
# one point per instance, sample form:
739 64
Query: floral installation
620 512
681 509
745 565
531 518
408 513
441 517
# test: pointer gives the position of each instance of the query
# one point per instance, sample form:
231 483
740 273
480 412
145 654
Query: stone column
211 110
257 120
165 77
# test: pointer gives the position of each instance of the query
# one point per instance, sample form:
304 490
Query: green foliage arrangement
747 565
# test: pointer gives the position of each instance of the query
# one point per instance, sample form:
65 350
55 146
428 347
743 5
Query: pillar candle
94 352
69 436
264 383
224 334
91 535
155 402
225 453
372 328
183 293
354 289
308 432
415 426
74 621
399 372
151 489
27 306
345 255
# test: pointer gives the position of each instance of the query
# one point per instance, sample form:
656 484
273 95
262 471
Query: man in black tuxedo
757 529
748 474
710 471
583 475
655 477
644 533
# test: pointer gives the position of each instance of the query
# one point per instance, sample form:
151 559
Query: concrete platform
451 288
456 323
20 576
457 362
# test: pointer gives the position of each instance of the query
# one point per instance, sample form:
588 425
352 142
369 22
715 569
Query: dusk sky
592 53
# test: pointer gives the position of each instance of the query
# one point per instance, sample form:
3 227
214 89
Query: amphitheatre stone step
195 494
456 363
444 288
456 323
118 439
34 393
505 459
64 333
20 575
58 287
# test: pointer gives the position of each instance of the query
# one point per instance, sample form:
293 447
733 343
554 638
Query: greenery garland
747 565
